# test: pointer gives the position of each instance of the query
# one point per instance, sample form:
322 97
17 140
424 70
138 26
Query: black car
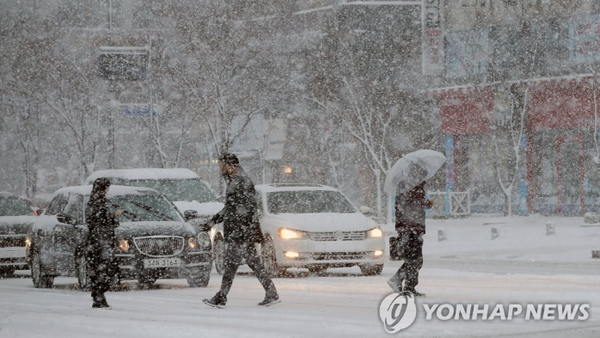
153 240
16 218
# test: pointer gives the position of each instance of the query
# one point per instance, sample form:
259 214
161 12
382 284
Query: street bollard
550 229
442 235
495 233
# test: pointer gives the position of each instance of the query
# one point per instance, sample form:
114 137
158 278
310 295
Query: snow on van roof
144 173
114 190
7 194
292 187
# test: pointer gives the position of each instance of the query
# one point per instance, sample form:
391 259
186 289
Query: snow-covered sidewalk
521 239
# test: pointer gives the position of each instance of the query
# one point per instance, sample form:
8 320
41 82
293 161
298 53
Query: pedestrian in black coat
410 225
101 242
241 232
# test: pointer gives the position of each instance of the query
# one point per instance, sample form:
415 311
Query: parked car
316 227
182 186
153 240
16 217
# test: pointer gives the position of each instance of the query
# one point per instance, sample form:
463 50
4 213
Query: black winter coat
410 210
101 237
240 214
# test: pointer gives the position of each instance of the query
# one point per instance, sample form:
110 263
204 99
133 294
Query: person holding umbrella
410 224
406 180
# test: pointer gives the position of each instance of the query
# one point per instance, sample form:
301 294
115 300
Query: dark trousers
411 247
234 254
101 268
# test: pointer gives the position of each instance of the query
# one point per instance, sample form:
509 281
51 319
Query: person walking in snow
410 224
101 242
242 232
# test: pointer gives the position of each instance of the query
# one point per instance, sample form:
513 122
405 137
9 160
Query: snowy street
467 268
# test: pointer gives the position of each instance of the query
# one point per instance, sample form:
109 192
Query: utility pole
109 14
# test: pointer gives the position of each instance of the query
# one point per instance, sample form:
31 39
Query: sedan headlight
286 233
192 243
124 245
375 232
204 240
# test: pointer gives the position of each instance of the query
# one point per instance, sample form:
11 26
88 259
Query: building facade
517 99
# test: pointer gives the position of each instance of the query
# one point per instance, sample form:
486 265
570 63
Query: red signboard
466 110
560 104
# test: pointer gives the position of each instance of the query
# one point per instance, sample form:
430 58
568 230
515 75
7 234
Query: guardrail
450 203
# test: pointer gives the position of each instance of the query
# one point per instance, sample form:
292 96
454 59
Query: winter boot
218 301
412 291
100 302
270 299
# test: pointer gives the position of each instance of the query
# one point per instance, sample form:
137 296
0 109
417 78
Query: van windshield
179 190
308 202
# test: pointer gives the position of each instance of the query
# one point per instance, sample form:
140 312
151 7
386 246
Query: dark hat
229 159
101 183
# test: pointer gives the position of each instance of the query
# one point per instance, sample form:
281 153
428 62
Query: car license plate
12 252
161 263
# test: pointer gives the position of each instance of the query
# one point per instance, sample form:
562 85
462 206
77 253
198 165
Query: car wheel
219 258
39 278
371 270
115 282
8 271
82 276
200 281
270 259
317 270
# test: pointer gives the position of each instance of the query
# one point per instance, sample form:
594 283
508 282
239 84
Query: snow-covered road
342 304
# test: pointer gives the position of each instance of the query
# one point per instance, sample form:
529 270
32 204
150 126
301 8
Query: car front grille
7 241
325 256
338 236
159 246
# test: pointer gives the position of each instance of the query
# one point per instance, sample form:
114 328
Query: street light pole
378 180
109 14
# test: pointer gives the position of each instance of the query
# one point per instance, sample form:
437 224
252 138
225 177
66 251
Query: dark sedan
153 240
16 218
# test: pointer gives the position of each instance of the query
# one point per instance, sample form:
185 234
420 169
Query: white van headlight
375 232
285 233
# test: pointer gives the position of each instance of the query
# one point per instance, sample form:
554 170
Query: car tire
371 269
83 278
317 270
270 259
200 281
6 272
39 278
219 255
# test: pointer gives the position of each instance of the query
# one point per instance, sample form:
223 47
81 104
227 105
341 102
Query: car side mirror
368 211
190 214
62 218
